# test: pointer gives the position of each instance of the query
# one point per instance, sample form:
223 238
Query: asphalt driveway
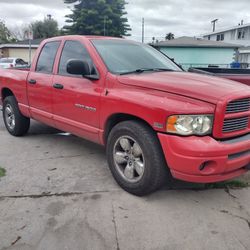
59 194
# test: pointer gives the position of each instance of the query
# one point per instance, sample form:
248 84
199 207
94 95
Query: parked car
11 62
239 75
155 120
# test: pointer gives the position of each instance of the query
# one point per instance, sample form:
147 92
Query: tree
20 32
45 29
169 36
97 17
5 35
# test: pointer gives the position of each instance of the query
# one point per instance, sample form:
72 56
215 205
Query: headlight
190 124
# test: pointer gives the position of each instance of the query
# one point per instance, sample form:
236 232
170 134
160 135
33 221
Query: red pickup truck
155 120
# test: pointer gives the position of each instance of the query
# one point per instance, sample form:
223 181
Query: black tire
156 172
21 123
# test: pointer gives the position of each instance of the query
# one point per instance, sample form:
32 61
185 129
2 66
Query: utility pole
143 27
29 36
104 27
214 23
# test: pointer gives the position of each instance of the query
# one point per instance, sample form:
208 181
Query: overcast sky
181 17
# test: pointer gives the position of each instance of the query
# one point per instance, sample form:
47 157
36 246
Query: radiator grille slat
236 124
236 106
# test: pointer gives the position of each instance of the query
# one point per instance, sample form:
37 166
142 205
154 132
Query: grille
236 106
236 124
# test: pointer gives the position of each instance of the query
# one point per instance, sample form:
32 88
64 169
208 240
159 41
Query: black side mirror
80 67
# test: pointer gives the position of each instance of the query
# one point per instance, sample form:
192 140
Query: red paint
151 97
187 154
239 78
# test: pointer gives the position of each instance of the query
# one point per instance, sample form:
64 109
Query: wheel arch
114 119
6 92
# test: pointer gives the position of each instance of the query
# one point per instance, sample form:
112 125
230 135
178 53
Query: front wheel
14 121
136 159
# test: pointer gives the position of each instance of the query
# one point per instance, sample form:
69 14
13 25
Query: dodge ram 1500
156 121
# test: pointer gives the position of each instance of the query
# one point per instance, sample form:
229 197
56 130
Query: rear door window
47 57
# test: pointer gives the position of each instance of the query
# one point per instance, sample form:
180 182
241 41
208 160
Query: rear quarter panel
15 80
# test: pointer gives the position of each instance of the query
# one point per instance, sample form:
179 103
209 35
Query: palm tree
169 36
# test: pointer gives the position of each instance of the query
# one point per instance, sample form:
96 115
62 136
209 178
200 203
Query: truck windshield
124 57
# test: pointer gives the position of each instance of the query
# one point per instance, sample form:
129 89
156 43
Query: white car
11 62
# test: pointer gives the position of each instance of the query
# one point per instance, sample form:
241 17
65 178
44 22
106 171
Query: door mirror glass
78 67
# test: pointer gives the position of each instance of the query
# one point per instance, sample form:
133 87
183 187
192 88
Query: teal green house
193 52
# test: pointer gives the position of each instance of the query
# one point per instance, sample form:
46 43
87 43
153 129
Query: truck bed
239 75
16 79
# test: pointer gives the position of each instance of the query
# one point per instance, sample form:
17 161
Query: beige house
19 49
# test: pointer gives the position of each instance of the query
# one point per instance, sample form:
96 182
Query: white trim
244 51
228 29
33 46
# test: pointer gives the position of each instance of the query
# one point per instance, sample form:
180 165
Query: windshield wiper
146 70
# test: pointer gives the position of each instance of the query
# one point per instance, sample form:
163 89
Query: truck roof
83 37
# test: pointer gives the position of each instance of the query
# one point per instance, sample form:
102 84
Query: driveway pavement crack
48 194
57 157
227 190
241 208
115 226
237 216
17 239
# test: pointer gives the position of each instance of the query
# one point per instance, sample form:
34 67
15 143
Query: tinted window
47 57
73 50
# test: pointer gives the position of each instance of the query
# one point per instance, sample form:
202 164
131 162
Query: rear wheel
14 121
136 159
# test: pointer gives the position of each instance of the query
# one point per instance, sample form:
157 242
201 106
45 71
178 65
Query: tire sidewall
22 123
9 101
149 159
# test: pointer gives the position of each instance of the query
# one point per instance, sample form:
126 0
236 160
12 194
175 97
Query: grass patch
2 172
228 184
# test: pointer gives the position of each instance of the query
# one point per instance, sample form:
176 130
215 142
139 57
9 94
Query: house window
241 34
220 37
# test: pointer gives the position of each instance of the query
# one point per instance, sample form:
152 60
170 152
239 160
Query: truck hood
206 88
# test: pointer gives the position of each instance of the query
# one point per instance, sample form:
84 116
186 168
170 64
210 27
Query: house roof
186 41
22 44
227 29
33 42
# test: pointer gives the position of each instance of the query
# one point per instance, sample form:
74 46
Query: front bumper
204 159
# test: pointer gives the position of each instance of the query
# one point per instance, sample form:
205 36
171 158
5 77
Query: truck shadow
41 129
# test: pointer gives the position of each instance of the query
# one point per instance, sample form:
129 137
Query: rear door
40 83
76 100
